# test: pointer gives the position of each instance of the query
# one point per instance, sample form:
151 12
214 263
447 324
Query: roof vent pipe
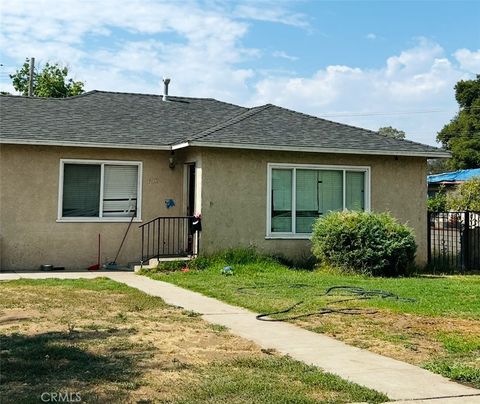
166 82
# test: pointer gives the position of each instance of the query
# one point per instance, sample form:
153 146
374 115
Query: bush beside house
465 197
365 243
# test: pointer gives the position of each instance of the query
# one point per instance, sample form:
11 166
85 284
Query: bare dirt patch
125 346
407 337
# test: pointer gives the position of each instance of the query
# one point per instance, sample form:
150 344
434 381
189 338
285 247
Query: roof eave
85 144
439 154
249 146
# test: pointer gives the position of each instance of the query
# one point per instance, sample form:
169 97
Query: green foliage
459 344
437 166
199 263
466 197
438 203
462 135
274 379
364 243
455 370
388 131
51 82
235 256
176 265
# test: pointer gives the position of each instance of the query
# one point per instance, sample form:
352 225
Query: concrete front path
398 380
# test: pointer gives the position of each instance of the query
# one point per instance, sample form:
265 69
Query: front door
190 200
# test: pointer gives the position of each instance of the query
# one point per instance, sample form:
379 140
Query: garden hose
351 293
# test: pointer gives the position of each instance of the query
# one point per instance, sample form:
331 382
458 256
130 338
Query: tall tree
462 135
388 131
51 81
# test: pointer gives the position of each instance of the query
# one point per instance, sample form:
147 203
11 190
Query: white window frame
101 163
294 167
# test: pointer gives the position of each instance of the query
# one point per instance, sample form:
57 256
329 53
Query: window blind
355 191
330 191
282 189
306 197
81 190
282 200
120 190
307 192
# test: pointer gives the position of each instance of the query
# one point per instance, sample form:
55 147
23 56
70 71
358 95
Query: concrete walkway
398 380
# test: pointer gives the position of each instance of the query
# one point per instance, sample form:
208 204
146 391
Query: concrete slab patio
398 380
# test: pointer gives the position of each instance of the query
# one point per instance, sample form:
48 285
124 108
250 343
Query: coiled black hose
351 293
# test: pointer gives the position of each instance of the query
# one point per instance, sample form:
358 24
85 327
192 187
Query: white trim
344 168
269 199
367 188
85 144
185 188
249 146
320 166
198 187
101 163
316 149
287 236
102 184
180 145
294 199
98 220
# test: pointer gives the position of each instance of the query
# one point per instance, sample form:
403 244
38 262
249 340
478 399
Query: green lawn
107 342
273 288
439 330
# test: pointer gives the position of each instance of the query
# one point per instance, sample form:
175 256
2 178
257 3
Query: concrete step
153 262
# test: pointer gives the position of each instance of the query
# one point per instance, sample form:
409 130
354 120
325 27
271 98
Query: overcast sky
365 63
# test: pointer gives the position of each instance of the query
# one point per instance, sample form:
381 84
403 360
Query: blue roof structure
454 176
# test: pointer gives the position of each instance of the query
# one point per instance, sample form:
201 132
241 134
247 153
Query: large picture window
99 190
299 194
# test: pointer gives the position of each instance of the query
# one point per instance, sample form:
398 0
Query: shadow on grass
61 362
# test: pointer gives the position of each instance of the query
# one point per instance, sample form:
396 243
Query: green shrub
168 266
438 203
365 243
466 197
199 264
241 256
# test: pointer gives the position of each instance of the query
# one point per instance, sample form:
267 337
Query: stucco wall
234 198
231 195
30 235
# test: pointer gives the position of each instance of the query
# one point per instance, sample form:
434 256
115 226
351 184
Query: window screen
281 200
81 190
316 192
119 190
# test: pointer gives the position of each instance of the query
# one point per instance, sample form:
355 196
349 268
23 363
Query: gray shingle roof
272 125
107 119
110 118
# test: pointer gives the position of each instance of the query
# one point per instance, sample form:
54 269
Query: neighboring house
77 167
449 181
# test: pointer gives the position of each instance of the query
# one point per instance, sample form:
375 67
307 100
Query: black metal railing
172 236
454 241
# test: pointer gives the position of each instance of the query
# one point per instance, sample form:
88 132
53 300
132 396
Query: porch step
153 262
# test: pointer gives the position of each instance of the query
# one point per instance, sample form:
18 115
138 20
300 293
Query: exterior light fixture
172 161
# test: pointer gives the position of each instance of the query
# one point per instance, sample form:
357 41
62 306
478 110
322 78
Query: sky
365 63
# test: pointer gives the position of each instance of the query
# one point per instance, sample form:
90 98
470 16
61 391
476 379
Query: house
76 168
449 181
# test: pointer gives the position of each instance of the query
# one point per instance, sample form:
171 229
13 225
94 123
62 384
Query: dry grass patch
435 322
410 338
111 343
